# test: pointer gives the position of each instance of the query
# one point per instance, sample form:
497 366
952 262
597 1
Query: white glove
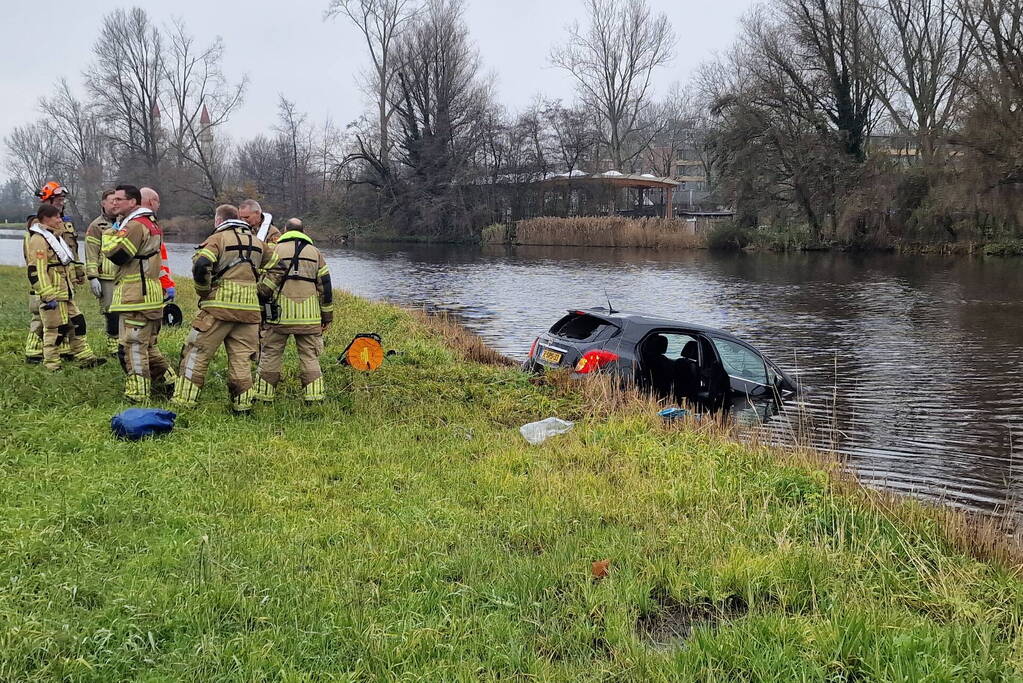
96 287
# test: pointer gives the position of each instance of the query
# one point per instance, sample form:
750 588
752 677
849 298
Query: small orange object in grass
365 353
600 568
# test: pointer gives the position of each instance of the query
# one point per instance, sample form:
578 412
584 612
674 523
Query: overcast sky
287 48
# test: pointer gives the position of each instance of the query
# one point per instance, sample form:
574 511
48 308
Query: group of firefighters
256 285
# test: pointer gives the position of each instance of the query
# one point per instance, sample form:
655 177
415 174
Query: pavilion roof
639 180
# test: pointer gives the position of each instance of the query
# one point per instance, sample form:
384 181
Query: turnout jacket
299 281
267 232
69 237
48 277
97 236
135 249
226 269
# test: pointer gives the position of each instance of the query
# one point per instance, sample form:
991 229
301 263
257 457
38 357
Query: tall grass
405 530
614 231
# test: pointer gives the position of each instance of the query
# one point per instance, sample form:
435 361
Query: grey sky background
287 48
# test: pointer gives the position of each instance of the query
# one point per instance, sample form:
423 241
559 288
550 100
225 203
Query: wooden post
667 202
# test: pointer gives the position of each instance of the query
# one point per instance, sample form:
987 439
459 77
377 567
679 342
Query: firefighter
261 223
226 270
298 290
51 273
263 228
99 269
55 194
138 297
151 201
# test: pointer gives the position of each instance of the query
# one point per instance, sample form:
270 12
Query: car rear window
580 326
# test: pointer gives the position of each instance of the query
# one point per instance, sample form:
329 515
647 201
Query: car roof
636 319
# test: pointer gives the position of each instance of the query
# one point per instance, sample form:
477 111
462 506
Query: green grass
404 530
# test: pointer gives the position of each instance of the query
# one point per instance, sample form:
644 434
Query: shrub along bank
405 529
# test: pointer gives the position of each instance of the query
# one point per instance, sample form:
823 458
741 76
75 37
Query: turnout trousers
140 357
271 357
34 340
64 324
240 340
111 319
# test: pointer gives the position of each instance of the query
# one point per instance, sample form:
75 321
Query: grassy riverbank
405 529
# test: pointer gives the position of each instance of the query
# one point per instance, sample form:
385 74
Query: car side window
741 362
677 344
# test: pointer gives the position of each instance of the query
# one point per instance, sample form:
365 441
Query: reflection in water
910 366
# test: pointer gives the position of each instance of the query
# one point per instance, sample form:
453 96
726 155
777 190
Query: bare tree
327 155
124 81
75 134
381 23
295 139
32 156
201 102
441 106
923 50
261 165
15 201
677 121
994 125
817 54
776 160
613 60
574 134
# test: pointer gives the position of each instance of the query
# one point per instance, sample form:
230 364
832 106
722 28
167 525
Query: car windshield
580 326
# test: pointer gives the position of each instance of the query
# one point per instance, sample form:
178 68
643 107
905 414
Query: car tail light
532 349
594 360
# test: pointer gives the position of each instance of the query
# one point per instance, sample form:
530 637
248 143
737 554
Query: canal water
910 367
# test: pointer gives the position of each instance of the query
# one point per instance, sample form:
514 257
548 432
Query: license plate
551 356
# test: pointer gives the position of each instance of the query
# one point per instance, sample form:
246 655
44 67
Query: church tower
206 131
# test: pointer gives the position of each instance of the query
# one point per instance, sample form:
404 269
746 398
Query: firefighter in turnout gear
100 270
226 269
261 223
265 231
55 194
300 298
51 272
138 297
151 201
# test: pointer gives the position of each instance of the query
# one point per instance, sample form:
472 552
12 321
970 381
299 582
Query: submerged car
709 368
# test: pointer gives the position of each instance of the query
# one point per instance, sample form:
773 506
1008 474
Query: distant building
686 168
689 170
205 130
905 149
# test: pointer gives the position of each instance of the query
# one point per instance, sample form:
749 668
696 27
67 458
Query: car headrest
691 350
657 344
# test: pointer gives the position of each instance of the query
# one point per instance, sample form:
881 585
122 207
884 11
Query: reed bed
613 231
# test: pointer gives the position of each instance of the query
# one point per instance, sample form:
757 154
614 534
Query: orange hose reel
365 353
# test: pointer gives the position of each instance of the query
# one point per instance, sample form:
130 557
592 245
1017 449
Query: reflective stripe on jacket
135 250
97 238
300 283
226 270
49 278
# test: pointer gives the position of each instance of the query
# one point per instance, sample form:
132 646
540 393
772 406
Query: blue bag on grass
135 423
